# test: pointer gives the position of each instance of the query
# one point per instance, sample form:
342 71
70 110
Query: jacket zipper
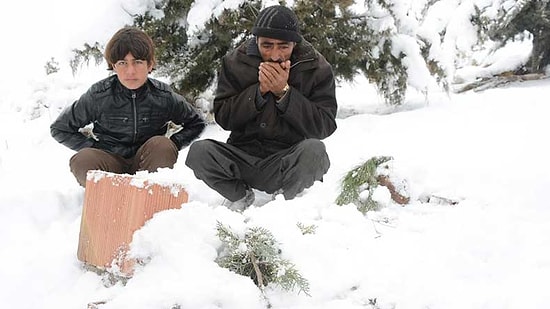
135 115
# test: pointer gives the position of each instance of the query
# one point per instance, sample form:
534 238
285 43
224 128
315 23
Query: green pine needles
361 179
84 55
257 256
306 229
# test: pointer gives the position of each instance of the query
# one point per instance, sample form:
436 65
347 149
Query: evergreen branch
360 179
84 55
258 257
306 229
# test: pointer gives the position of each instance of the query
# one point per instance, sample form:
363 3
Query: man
128 121
276 94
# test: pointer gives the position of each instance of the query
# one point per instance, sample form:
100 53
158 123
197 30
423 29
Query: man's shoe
241 204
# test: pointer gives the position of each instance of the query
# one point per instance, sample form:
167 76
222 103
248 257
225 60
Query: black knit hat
277 22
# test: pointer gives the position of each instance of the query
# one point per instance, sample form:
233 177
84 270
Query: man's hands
273 76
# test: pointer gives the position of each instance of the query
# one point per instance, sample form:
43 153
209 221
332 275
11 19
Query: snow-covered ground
487 150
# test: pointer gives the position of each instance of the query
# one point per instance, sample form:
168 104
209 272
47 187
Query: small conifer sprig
306 229
81 56
257 256
360 179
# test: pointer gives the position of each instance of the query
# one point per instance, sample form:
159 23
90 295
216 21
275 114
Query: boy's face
132 73
274 50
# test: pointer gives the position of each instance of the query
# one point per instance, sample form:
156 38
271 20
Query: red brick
115 206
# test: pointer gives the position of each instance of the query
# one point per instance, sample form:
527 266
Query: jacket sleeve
235 107
65 129
192 123
313 116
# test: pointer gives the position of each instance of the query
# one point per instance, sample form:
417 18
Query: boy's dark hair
129 40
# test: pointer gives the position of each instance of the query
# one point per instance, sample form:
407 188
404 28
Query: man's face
275 50
131 72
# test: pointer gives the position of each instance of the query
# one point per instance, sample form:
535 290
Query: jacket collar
141 91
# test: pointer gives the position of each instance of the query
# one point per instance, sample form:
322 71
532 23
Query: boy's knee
83 156
81 162
160 142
